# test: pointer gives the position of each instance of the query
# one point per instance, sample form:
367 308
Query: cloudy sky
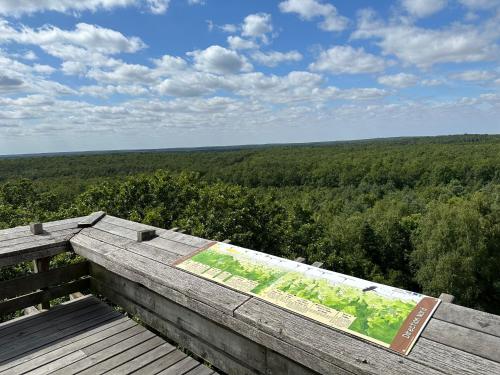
129 74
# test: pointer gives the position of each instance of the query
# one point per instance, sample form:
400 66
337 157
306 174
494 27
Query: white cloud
480 4
10 83
158 6
474 75
91 37
18 8
217 59
274 58
257 25
423 8
196 2
43 69
433 82
400 80
108 90
229 28
310 9
170 64
426 47
236 42
348 60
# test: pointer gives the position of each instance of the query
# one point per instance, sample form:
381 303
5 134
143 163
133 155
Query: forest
417 213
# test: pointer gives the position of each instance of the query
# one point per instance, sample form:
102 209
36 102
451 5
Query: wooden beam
90 220
23 285
43 296
317 264
300 259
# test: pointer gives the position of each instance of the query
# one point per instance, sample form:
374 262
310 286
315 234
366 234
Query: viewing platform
132 266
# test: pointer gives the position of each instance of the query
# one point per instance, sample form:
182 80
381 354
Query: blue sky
129 74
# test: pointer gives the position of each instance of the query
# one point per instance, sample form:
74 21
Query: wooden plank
300 259
43 296
225 340
164 233
159 242
469 318
60 363
121 358
180 367
43 321
24 230
224 320
452 361
185 239
161 363
92 360
146 250
57 356
465 339
131 225
22 253
181 286
205 350
56 350
24 342
99 346
139 362
91 220
30 346
34 240
16 287
317 264
116 230
344 351
203 370
21 322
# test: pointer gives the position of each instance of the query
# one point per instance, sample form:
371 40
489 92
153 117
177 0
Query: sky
135 74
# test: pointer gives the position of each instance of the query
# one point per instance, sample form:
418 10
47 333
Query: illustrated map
388 316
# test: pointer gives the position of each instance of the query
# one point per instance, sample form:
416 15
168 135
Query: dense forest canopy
417 213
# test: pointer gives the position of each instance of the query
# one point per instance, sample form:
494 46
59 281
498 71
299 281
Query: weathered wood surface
43 296
457 340
19 244
319 348
91 220
227 350
23 285
181 287
87 336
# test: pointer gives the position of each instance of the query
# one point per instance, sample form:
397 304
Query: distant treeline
417 213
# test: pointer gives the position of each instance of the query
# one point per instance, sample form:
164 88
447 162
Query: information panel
391 317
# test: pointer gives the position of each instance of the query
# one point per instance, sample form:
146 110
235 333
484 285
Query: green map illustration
363 308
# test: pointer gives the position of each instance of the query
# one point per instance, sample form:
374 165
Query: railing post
42 265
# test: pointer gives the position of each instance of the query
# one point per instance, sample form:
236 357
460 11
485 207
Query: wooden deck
86 336
237 333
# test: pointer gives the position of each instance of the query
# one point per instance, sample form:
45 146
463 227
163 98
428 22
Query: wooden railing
38 244
131 265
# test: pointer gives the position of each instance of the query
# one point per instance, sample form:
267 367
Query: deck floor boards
87 336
